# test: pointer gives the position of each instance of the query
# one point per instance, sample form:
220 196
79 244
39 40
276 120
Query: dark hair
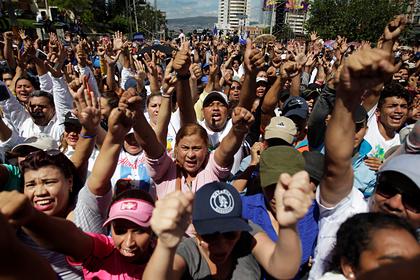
192 129
40 159
393 89
25 77
41 93
356 234
111 97
150 97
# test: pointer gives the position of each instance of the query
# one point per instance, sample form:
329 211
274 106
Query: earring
351 275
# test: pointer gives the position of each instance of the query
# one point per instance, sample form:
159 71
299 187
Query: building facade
232 15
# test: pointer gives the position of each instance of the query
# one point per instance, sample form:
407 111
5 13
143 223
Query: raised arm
294 196
119 124
19 262
253 60
165 110
242 120
170 219
8 49
181 65
89 115
362 70
52 233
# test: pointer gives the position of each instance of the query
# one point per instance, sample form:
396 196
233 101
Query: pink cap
135 210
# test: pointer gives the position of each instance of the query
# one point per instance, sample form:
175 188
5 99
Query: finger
88 97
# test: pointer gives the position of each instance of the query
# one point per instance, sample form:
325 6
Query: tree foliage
354 19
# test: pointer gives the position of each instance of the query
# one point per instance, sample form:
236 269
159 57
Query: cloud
187 8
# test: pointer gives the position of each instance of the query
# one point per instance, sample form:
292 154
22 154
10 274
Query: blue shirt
254 209
364 178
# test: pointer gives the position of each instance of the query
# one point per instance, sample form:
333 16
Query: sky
192 8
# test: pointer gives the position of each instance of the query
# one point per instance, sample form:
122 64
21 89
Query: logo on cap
129 205
221 201
281 124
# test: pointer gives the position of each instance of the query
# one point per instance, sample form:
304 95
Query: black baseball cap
217 208
314 164
215 95
295 106
71 119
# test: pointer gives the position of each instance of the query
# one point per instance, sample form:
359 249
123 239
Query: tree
80 8
354 19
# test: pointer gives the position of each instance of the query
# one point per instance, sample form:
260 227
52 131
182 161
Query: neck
387 133
217 270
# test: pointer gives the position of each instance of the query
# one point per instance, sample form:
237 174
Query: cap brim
131 219
221 225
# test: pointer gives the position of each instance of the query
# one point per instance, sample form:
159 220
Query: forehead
43 172
24 82
394 100
155 99
192 140
39 100
236 83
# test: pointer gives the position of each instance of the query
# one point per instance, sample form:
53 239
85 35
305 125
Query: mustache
37 114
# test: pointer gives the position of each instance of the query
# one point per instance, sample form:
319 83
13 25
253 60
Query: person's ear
347 269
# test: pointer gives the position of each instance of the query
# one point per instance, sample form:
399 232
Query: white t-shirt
378 143
330 220
217 137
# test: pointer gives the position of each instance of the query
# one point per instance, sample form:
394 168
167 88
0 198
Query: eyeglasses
411 201
231 235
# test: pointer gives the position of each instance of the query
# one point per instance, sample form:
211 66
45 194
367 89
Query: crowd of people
209 157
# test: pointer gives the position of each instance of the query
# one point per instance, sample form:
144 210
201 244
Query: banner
293 5
269 5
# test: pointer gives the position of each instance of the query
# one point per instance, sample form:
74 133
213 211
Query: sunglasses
50 153
231 235
410 200
234 88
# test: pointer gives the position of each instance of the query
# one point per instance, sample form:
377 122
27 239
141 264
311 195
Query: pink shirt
105 262
163 173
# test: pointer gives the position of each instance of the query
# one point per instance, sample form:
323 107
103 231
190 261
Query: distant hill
190 23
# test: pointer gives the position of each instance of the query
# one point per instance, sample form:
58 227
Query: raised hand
171 217
195 71
365 69
16 207
289 70
169 83
151 64
293 196
256 150
314 36
214 67
253 58
182 60
57 60
242 119
117 40
394 28
122 118
299 54
87 107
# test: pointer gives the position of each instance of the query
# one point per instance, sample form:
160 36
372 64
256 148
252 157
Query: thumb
186 46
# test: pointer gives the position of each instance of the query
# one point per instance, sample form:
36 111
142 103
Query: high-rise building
232 14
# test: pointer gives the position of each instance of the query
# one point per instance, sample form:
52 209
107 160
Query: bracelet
87 136
166 95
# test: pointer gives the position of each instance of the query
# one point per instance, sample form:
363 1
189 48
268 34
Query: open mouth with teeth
44 204
128 252
216 116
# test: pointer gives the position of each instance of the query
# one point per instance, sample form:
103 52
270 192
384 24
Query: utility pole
135 16
156 19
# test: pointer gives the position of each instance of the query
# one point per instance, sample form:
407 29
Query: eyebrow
391 257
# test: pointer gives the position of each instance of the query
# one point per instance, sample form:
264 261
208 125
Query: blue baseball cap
217 208
295 106
130 83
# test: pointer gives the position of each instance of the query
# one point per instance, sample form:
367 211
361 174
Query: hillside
191 23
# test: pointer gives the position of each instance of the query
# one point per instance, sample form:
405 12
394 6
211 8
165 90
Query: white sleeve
125 74
13 111
63 100
91 79
46 83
